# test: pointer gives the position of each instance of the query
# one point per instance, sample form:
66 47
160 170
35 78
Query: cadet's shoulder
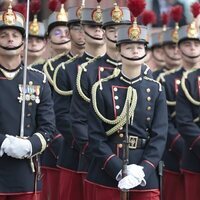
152 83
192 74
36 74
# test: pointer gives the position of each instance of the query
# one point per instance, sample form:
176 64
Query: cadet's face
172 55
77 34
36 46
190 48
133 50
58 36
111 33
10 38
94 31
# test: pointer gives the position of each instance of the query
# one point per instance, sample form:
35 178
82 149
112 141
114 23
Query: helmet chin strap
35 51
133 59
191 57
94 38
113 41
11 49
175 59
61 43
159 60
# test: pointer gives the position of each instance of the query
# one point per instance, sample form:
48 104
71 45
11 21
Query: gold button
115 89
178 82
121 135
149 108
117 107
148 118
30 82
30 104
148 98
116 97
28 126
148 90
28 115
120 146
101 69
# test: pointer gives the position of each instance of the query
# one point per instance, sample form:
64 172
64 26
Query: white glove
4 144
133 169
129 182
19 148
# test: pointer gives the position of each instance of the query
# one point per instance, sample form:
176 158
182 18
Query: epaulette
147 69
38 71
83 68
61 92
48 64
150 79
120 121
185 90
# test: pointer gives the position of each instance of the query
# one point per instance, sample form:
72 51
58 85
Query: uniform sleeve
45 120
62 105
158 136
79 115
189 130
98 142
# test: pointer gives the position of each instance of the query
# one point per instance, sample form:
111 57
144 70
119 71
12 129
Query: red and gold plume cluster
35 6
148 17
165 20
195 9
21 8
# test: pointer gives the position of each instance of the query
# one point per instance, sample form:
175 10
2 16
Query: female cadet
147 125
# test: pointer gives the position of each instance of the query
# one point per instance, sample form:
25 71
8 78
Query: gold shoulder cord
82 68
49 64
187 94
61 92
121 119
36 70
150 79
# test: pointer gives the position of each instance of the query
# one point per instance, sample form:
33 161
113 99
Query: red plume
176 13
136 7
98 1
21 8
195 9
165 18
35 6
62 1
148 17
53 5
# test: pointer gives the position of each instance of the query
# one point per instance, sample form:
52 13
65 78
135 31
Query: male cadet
19 169
189 47
102 67
58 39
65 81
37 39
157 53
187 111
172 55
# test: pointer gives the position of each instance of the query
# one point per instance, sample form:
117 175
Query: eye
57 32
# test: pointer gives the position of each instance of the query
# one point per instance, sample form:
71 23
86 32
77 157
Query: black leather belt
136 142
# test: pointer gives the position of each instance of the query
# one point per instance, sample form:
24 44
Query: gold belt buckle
133 140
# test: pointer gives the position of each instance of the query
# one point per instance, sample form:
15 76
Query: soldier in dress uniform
64 84
147 128
172 55
157 54
19 150
187 110
36 44
76 31
102 67
189 47
58 40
